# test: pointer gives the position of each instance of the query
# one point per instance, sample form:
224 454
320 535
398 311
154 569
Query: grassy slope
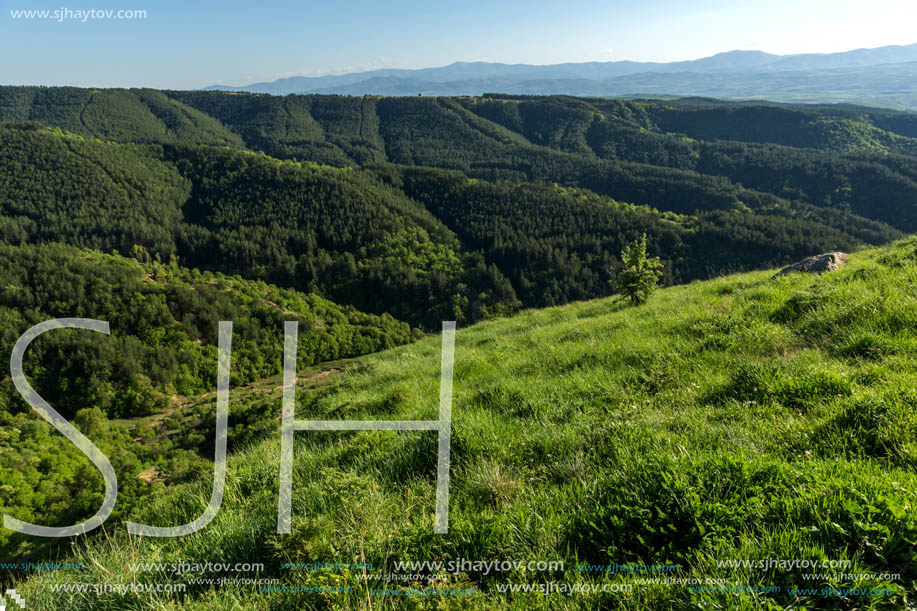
740 418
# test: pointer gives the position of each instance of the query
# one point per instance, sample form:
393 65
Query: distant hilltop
886 76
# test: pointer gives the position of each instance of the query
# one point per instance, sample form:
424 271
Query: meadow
726 425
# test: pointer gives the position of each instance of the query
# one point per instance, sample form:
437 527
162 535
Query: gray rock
819 264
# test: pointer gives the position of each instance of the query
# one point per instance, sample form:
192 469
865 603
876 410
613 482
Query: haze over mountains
886 76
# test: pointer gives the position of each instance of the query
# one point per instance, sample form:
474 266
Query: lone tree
641 274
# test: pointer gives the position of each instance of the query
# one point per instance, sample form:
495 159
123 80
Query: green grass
741 418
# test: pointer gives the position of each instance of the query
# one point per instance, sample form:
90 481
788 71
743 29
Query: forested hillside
138 115
160 357
620 149
557 244
835 157
315 228
448 208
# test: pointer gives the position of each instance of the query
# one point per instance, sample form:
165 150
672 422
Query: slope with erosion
743 418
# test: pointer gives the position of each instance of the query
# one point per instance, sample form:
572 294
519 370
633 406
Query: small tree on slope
641 274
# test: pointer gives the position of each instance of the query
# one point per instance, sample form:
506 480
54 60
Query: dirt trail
179 403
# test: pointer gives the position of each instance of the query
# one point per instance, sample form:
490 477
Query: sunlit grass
741 418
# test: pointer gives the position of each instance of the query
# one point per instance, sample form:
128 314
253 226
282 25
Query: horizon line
348 72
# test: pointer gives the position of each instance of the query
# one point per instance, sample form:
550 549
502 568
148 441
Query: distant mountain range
886 76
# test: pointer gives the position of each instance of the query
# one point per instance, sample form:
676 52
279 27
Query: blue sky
194 43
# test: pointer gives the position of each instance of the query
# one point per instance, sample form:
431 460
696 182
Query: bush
641 274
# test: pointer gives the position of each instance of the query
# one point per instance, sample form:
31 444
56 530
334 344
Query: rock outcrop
818 264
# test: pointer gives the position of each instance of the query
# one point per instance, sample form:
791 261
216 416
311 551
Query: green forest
448 208
160 357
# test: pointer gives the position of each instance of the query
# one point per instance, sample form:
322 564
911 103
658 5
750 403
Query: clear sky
194 43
